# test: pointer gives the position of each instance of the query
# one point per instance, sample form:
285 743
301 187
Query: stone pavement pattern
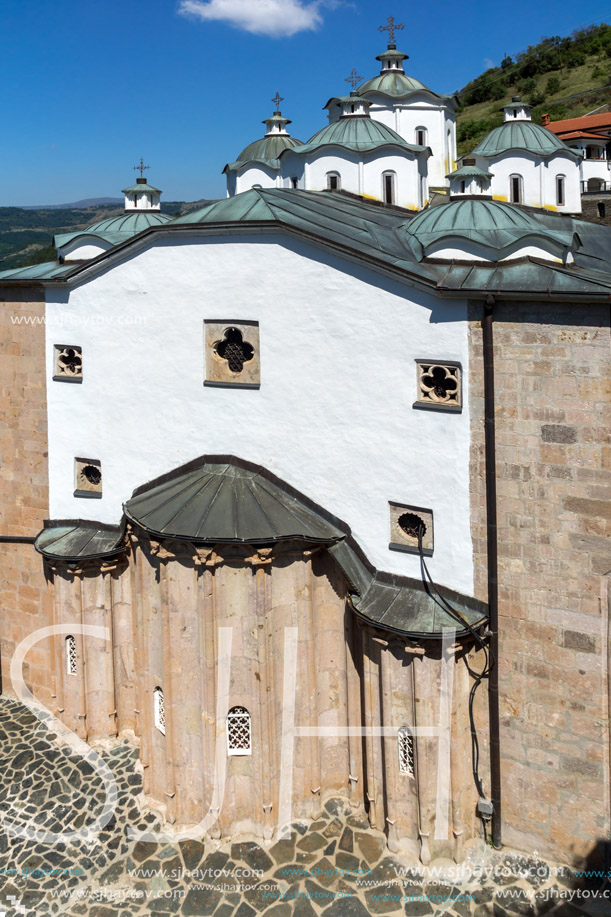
336 866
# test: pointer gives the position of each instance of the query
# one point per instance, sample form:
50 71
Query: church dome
494 226
355 133
128 223
521 135
267 148
393 83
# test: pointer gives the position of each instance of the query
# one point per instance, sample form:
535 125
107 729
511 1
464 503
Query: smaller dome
267 148
522 135
493 225
129 223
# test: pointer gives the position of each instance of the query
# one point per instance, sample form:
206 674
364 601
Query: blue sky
91 85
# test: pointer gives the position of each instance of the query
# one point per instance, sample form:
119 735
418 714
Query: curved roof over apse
492 224
227 503
359 133
116 229
75 540
522 135
226 500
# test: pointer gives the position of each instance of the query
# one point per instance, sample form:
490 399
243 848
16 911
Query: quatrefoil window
235 350
439 385
68 363
232 353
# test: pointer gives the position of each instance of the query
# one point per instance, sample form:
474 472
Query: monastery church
351 416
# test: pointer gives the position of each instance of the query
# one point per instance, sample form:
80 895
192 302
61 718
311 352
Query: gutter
492 564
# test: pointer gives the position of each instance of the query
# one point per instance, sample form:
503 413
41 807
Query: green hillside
25 235
564 77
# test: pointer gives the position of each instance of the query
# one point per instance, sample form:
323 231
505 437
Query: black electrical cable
478 677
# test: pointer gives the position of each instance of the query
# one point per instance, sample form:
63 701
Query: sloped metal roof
79 540
400 604
48 271
378 235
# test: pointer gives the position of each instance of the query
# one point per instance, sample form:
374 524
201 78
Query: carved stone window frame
58 375
425 404
83 487
400 540
217 371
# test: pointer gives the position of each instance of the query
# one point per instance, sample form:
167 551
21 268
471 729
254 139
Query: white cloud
488 64
275 18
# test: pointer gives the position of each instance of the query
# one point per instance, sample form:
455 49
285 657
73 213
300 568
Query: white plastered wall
538 179
421 110
333 416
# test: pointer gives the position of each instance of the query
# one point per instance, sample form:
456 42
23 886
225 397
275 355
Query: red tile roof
587 122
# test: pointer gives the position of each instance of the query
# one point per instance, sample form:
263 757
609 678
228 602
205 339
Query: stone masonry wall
554 484
25 600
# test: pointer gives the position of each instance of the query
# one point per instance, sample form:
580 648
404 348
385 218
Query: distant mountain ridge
75 205
26 232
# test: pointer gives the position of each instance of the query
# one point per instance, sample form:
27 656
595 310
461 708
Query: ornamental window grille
239 736
70 655
405 741
439 385
68 363
235 350
159 709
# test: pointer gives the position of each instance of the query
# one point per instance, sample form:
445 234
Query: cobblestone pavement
335 866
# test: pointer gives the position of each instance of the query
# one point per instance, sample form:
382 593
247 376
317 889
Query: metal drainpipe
17 539
492 552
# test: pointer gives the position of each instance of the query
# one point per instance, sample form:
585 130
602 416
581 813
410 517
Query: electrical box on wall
410 527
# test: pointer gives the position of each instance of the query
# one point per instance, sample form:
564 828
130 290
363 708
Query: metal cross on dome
391 28
354 79
140 168
277 100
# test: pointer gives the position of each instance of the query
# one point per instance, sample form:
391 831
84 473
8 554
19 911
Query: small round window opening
412 525
234 349
91 474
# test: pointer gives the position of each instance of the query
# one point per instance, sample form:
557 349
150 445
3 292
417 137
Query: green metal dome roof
522 135
359 133
469 172
393 83
267 148
492 224
140 186
117 229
